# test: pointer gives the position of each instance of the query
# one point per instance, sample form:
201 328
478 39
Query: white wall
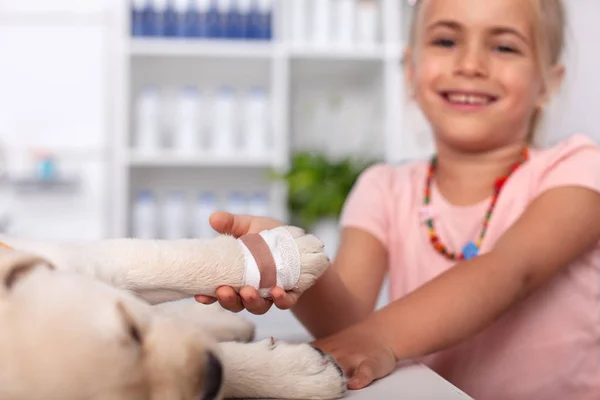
577 108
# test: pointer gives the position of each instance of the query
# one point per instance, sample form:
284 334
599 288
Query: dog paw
301 371
313 259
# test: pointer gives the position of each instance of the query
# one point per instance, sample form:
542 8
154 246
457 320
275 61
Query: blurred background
140 118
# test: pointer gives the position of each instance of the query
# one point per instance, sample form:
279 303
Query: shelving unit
319 96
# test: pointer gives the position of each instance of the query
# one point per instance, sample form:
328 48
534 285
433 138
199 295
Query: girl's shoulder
574 160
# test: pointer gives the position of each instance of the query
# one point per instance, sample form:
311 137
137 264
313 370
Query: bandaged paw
285 257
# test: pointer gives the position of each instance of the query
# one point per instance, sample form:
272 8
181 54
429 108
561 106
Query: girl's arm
557 228
347 292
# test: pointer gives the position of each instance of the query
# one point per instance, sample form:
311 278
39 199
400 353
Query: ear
14 265
409 71
556 77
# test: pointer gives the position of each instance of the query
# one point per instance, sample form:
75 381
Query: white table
407 382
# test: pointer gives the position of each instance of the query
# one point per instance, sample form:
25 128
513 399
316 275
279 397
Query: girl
492 246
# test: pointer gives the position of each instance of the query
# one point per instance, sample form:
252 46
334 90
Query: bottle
256 133
224 135
321 23
183 8
235 22
158 22
258 205
299 29
214 24
198 19
174 216
206 205
343 29
187 130
170 19
139 8
148 132
144 215
366 18
263 26
244 7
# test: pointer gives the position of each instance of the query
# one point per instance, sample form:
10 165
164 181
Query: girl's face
474 73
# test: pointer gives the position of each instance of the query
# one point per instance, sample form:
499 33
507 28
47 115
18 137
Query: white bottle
224 133
343 23
174 217
366 20
206 205
148 120
187 126
321 23
299 26
259 205
256 114
144 224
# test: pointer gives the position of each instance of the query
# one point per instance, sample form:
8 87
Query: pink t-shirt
548 347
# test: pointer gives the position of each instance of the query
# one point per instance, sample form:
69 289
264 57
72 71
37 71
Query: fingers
227 223
284 300
200 298
253 302
229 300
362 376
250 299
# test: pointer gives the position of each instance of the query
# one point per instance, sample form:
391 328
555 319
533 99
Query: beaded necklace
471 249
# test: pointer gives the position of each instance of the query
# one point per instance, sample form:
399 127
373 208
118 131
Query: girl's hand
248 298
361 353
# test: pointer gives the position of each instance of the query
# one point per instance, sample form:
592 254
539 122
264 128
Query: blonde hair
549 26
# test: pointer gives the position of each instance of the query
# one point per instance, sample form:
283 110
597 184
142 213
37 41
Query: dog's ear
14 265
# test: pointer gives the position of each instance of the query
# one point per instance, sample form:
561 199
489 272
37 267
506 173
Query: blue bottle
260 20
138 10
243 8
170 21
215 21
149 19
235 22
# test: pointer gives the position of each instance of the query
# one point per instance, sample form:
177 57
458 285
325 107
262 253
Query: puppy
106 321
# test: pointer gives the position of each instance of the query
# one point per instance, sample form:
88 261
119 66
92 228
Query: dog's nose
213 378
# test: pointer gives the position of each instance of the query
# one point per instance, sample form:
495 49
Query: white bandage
285 253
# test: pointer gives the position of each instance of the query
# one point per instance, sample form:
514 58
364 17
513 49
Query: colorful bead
471 249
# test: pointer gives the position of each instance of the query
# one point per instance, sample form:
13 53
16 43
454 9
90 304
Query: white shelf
170 159
308 52
351 96
200 48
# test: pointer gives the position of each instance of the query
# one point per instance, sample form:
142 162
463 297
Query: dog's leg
161 271
222 325
272 369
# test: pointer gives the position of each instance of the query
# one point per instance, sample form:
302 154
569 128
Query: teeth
468 99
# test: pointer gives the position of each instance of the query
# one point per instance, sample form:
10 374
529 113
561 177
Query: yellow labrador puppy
102 320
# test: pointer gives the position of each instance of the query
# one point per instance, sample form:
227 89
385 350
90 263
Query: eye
506 49
443 43
131 325
135 333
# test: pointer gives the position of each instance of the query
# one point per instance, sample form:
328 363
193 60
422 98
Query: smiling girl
492 245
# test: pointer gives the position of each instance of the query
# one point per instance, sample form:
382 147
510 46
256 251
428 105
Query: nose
213 377
471 62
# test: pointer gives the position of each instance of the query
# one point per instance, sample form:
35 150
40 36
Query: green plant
318 186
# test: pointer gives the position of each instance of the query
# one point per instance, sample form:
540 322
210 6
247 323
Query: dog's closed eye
131 325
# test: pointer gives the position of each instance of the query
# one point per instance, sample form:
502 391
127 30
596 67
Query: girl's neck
465 178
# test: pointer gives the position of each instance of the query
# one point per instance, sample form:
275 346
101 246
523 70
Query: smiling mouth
468 99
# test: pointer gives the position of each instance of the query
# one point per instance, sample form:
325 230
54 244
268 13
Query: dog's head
68 336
